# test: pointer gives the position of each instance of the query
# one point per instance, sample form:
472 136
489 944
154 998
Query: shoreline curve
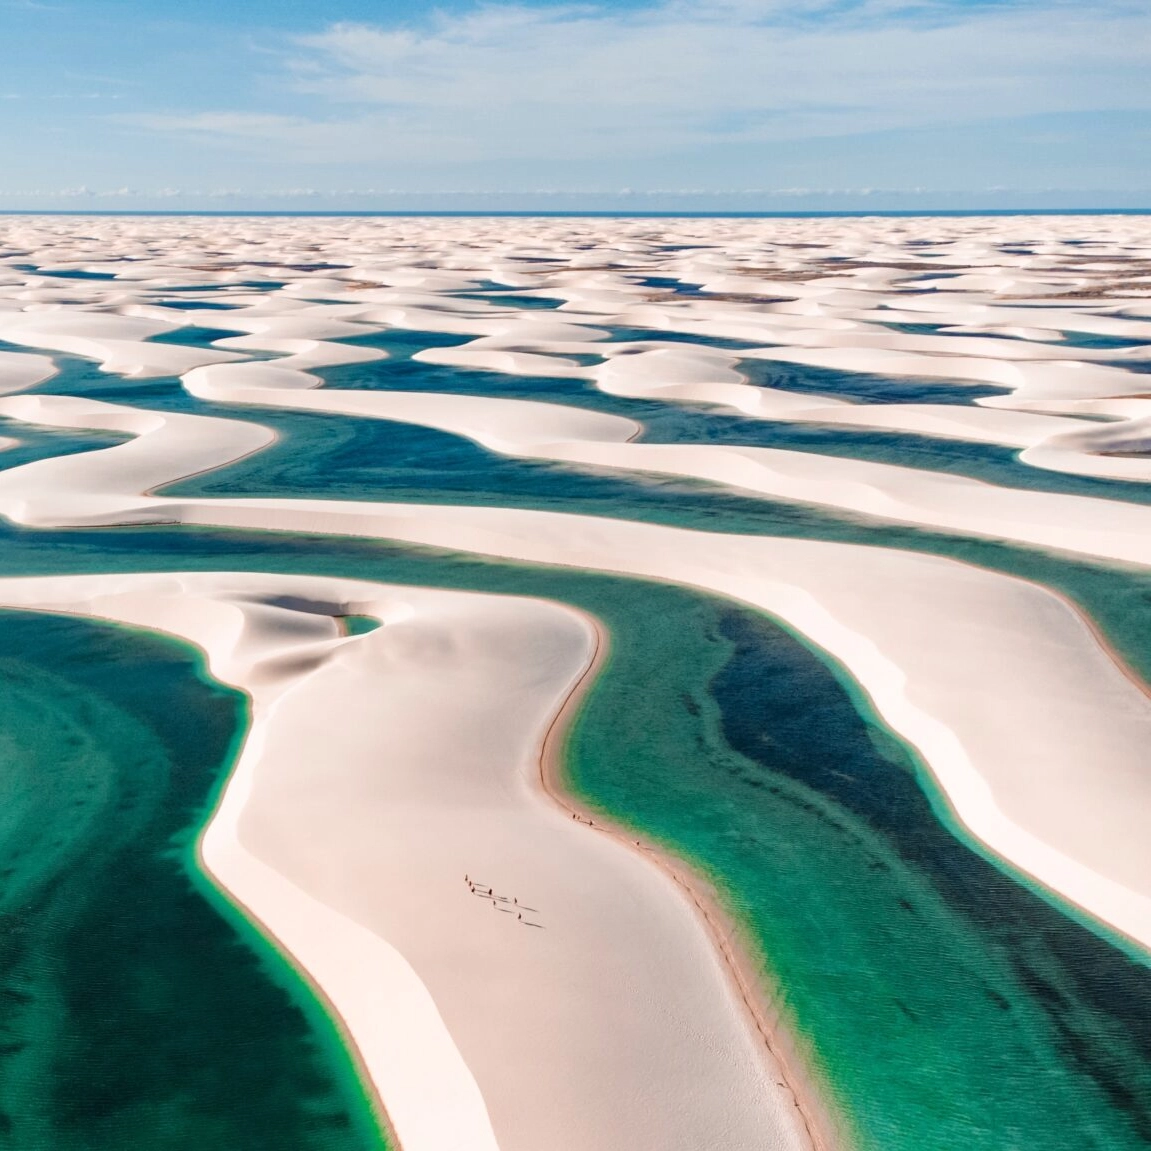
723 928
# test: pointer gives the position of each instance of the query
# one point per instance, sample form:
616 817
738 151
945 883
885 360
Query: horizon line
610 213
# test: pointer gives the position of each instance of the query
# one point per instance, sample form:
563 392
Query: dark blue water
863 387
63 275
194 336
665 423
194 305
511 300
38 443
136 1009
986 1010
370 459
630 335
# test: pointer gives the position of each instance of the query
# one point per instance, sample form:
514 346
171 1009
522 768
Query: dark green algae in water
138 1009
948 1005
952 1006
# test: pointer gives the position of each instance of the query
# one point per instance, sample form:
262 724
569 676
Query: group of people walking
484 891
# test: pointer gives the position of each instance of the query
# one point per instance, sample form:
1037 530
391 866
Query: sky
712 104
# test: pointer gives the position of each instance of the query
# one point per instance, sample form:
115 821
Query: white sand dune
970 346
975 649
19 370
288 319
349 836
303 354
477 355
113 481
379 771
1031 384
963 313
119 343
1056 442
515 427
1034 734
1120 451
700 375
1110 529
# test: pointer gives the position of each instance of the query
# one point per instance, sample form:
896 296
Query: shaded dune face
926 911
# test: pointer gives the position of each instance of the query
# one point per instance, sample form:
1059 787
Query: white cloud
514 82
245 125
318 141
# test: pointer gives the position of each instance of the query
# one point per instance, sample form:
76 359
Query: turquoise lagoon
139 1008
944 1002
662 423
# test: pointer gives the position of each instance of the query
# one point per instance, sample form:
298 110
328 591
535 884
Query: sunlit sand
510 976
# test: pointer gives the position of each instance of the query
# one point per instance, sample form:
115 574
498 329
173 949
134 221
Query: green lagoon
139 1009
944 1002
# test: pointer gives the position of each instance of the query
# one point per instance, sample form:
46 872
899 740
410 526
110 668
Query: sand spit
513 427
1012 746
19 370
81 488
1035 735
1106 528
1024 419
579 1004
119 343
823 1127
1061 320
108 486
350 837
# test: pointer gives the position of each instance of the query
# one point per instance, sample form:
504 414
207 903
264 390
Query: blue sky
745 103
